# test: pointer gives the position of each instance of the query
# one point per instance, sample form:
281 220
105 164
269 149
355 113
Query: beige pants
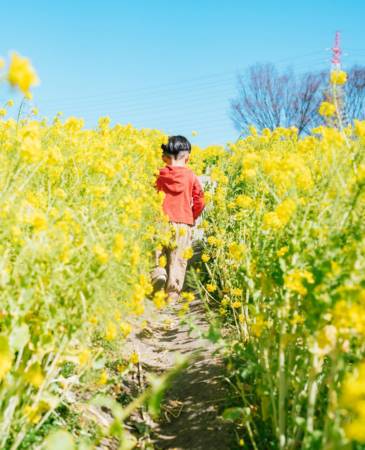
176 262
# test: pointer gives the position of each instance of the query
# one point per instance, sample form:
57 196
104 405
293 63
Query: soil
190 415
191 410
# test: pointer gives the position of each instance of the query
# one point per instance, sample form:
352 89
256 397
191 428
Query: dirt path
190 412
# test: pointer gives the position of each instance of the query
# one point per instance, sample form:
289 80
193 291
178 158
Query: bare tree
354 94
269 99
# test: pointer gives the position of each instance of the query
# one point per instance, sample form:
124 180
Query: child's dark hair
176 145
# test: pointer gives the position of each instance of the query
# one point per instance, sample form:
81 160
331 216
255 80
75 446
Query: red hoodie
184 197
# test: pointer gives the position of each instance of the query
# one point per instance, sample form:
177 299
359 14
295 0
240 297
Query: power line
177 99
132 99
222 88
177 102
178 82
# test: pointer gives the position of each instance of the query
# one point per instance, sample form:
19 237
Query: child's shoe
158 278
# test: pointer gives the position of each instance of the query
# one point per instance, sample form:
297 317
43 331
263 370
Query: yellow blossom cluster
21 74
327 109
353 398
338 77
291 219
80 221
280 216
294 281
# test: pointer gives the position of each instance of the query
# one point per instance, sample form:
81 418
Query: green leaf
59 440
99 364
154 402
213 334
85 445
233 414
116 428
19 337
108 402
236 414
128 441
300 421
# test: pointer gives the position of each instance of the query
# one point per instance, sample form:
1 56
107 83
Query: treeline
268 98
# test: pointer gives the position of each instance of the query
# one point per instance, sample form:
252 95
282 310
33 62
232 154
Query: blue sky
172 64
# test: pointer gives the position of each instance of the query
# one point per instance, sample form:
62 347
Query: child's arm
198 199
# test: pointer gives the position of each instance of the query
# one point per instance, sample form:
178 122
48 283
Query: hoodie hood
173 178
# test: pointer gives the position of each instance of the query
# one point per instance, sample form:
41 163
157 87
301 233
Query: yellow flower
352 398
356 429
84 357
60 193
121 368
110 331
211 287
21 73
3 112
6 357
188 296
103 379
241 318
361 174
34 375
252 129
282 251
237 292
327 109
236 250
134 358
271 221
35 413
119 244
208 197
244 201
159 299
205 257
225 300
100 254
31 150
297 319
93 320
359 127
293 281
162 261
326 339
32 414
258 326
126 329
338 77
188 253
285 210
39 221
280 217
236 304
212 240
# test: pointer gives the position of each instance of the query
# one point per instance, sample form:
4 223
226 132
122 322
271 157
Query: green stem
282 392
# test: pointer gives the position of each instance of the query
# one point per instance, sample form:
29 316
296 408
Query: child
183 204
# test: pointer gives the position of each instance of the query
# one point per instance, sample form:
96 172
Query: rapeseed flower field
282 269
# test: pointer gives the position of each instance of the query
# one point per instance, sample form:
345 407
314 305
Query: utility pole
336 90
336 52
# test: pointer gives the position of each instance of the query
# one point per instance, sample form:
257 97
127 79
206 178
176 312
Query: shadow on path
190 418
